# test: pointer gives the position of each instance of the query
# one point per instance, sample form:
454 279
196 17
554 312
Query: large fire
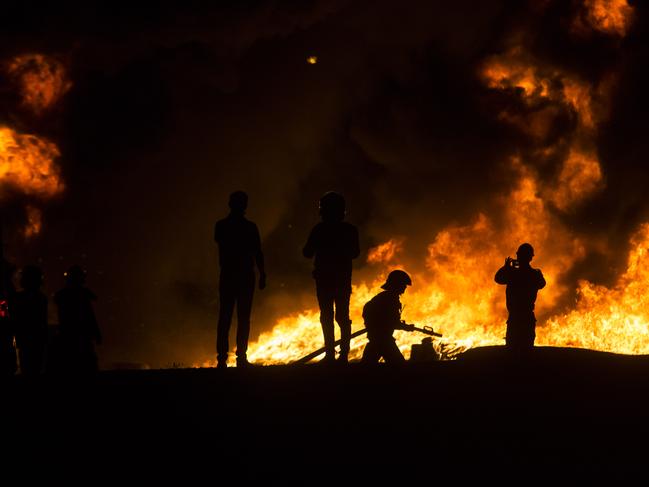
454 292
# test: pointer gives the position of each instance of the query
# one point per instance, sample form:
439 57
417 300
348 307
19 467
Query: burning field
455 292
454 139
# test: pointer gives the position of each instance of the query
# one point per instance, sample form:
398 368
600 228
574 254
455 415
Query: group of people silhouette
333 244
25 341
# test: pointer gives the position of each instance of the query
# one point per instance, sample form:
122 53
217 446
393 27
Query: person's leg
326 303
244 306
343 294
391 353
520 335
371 353
227 298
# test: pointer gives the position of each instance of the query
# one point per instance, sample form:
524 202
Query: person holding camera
523 283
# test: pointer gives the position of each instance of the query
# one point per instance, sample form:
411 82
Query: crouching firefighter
382 315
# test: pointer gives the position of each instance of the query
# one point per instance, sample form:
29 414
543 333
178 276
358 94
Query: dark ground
565 414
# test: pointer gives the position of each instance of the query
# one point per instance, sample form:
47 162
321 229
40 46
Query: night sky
174 106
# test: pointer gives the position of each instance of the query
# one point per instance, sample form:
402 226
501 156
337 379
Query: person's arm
540 284
259 259
43 317
393 315
217 232
309 248
502 276
92 317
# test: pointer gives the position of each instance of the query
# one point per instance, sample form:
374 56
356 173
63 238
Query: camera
515 263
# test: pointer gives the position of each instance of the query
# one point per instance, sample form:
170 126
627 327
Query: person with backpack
334 244
382 315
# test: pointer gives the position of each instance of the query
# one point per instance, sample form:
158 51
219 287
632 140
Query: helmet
525 252
397 278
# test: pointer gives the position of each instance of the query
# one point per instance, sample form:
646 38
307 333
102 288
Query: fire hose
426 330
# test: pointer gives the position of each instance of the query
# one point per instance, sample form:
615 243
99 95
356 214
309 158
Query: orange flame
614 319
27 163
581 176
609 16
384 252
42 80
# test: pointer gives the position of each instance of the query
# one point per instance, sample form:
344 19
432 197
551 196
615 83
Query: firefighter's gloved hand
262 281
408 327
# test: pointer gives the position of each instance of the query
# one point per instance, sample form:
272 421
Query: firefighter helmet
397 278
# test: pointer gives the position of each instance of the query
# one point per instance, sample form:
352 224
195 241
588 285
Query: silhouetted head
397 282
31 278
332 206
75 276
525 253
238 202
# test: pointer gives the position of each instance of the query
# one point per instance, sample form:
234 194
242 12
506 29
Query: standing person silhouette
30 314
78 328
239 250
334 243
523 282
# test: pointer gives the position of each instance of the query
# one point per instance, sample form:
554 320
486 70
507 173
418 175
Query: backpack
372 314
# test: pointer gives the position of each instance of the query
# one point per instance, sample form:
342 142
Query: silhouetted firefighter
30 317
78 328
239 250
382 315
334 243
523 283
